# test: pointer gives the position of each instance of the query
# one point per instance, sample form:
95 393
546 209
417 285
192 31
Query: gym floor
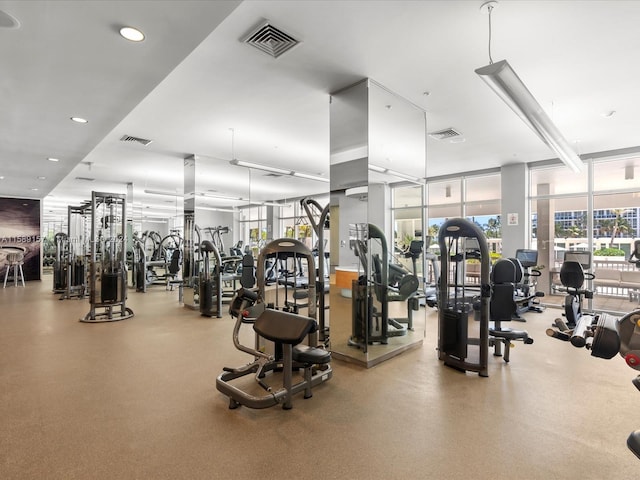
137 399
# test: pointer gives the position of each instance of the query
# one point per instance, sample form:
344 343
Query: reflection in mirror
375 302
274 211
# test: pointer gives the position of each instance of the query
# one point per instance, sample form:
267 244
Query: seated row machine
286 330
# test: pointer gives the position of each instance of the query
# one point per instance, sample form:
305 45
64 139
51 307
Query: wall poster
20 231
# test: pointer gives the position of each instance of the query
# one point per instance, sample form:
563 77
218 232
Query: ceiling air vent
85 179
444 134
270 40
129 138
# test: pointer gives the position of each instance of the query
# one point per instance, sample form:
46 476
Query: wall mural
20 231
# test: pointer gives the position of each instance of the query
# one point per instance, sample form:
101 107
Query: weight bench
287 331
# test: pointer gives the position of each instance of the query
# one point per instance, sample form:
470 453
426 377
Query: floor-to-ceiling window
596 211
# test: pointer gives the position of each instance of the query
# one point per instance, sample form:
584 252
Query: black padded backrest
502 306
174 265
377 269
284 327
503 271
247 277
571 274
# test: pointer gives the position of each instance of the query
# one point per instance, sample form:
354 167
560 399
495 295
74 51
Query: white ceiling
192 80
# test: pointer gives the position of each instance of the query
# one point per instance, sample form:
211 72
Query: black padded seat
300 294
284 327
295 282
307 354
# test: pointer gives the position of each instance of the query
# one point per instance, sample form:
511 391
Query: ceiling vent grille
85 179
129 138
444 134
270 40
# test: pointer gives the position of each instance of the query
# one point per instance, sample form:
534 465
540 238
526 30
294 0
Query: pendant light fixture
504 81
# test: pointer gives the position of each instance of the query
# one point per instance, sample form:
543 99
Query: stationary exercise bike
606 335
572 277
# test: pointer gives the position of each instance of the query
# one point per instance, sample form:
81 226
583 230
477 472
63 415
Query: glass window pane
557 181
483 188
407 196
444 192
617 174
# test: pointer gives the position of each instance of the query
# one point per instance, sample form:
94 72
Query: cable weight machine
461 240
107 271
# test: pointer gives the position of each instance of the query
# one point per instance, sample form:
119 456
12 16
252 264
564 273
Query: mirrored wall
377 143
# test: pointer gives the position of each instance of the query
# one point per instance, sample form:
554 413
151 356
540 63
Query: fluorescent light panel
508 86
219 196
257 166
281 171
162 192
388 171
215 209
310 177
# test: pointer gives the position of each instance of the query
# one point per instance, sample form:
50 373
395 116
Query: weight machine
286 330
210 283
461 240
370 316
320 222
606 335
107 266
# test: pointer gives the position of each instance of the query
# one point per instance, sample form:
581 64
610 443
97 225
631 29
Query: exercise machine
210 284
572 277
503 308
635 254
527 298
461 240
606 336
61 243
74 255
286 330
320 222
371 293
164 263
107 266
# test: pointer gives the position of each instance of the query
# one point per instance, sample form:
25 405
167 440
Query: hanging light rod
281 171
394 173
219 196
507 85
163 192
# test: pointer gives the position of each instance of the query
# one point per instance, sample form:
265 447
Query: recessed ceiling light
132 34
1 177
34 189
79 120
42 178
51 159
